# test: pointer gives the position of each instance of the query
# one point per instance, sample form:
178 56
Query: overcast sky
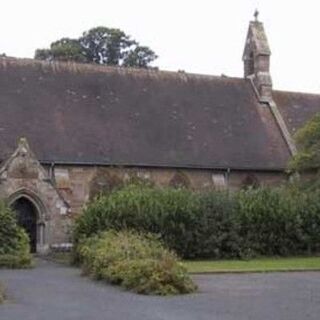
200 36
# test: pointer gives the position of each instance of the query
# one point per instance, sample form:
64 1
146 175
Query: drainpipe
51 173
227 177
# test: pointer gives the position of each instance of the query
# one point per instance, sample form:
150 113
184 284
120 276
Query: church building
69 131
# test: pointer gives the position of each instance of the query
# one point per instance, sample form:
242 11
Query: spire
256 58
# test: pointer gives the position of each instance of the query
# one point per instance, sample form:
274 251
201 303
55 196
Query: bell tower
256 59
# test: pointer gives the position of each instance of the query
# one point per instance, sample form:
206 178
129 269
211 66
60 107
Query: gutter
159 166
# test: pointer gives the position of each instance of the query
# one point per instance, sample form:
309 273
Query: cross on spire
256 15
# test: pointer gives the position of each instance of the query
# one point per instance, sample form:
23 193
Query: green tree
140 57
64 49
100 45
308 140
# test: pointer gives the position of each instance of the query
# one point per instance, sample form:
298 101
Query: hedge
134 261
248 223
14 242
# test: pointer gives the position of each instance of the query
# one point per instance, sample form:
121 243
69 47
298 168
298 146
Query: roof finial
256 15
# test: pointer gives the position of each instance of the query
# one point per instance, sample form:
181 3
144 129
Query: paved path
55 292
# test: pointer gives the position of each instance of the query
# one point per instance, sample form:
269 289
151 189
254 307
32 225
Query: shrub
134 261
216 231
269 222
14 242
308 206
171 213
262 221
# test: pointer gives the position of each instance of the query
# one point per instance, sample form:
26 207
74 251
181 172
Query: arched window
250 181
179 180
103 182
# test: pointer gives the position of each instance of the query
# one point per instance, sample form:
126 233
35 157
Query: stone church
69 131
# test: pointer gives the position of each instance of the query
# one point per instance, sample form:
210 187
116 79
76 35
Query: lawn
254 265
232 266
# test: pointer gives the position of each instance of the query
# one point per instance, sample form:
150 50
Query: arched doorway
27 216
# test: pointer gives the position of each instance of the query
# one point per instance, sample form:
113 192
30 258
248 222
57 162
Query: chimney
256 59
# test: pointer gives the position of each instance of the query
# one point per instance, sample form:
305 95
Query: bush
269 222
136 262
14 244
171 213
16 261
279 222
308 207
263 221
216 231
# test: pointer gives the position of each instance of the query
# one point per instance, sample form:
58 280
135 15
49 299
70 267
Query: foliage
253 222
14 242
136 262
64 49
140 57
217 228
100 45
270 222
308 207
168 212
308 140
16 261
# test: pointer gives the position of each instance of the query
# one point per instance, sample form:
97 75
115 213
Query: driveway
55 292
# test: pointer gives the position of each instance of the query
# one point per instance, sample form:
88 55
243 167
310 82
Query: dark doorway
27 219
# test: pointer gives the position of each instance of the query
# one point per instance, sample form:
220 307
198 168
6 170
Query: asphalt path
55 292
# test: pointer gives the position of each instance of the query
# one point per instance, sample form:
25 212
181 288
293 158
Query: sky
198 36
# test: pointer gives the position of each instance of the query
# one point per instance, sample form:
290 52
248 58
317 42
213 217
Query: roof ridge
76 67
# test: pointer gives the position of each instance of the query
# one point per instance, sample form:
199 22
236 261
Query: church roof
296 107
87 114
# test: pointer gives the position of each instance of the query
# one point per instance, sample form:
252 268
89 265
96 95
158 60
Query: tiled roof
78 113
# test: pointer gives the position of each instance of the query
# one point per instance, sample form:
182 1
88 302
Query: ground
52 291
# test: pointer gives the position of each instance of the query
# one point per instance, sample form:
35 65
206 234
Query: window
219 181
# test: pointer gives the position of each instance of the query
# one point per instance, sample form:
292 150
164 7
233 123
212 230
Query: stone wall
75 183
22 176
59 192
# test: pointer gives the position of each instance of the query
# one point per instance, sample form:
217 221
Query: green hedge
136 262
212 225
14 242
169 212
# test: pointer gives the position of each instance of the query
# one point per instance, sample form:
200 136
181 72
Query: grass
272 264
254 265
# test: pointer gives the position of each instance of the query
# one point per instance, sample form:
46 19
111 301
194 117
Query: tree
100 45
308 140
139 57
64 49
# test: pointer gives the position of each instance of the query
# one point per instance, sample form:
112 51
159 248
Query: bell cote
256 59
